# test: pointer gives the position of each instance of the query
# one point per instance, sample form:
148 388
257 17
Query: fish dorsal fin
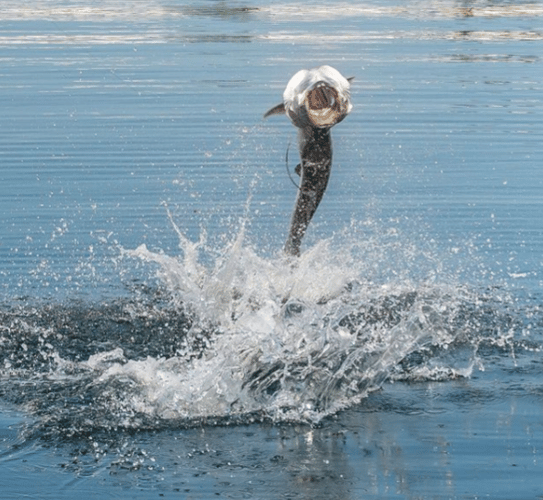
276 110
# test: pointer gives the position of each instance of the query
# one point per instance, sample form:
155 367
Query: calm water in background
139 123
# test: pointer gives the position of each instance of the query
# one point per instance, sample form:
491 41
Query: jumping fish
314 100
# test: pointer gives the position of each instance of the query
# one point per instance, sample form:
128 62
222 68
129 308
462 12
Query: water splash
293 340
247 337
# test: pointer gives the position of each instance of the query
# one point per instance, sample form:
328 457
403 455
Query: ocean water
155 341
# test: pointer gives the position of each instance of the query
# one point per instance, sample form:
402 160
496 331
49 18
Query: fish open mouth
322 105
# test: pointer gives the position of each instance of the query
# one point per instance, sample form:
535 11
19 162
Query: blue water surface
417 299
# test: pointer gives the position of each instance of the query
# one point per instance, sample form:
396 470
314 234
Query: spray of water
293 340
246 337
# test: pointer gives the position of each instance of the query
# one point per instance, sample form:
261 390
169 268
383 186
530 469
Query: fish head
319 97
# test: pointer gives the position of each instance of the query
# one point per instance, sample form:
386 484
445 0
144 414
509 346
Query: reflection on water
407 35
286 12
409 441
425 10
308 38
172 18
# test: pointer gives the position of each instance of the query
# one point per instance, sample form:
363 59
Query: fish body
315 100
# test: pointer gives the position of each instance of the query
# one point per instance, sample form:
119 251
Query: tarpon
314 100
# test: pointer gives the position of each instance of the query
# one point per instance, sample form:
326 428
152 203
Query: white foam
282 342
